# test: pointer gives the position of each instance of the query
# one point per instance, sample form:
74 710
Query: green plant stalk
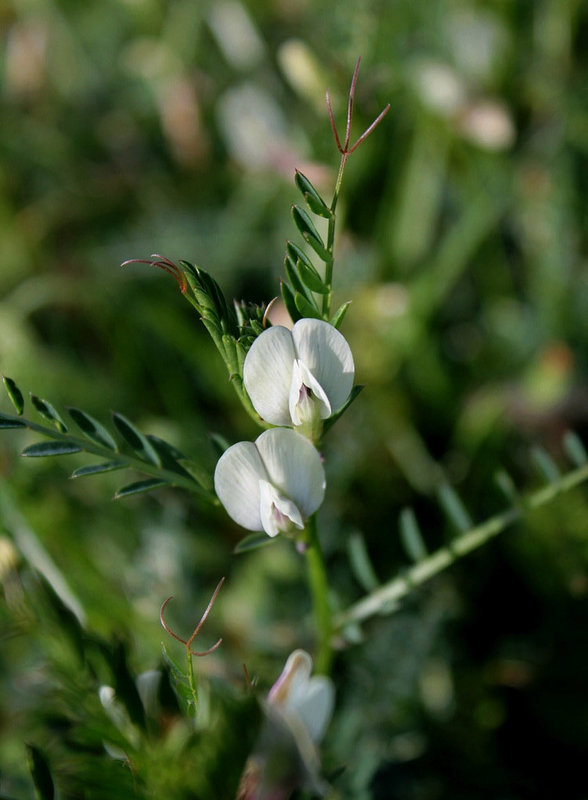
388 595
331 238
319 589
192 679
131 462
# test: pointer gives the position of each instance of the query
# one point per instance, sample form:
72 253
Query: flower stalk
319 589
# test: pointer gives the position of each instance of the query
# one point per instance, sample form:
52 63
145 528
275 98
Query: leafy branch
127 449
304 280
232 328
385 598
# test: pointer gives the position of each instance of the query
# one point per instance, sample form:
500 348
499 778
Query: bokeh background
137 126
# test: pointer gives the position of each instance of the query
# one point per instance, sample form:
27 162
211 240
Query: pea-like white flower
299 377
297 711
273 484
304 700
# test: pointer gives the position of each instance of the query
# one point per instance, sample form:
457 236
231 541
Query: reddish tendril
165 264
196 631
345 149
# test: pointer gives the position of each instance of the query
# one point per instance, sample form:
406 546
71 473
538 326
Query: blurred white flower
298 709
488 124
273 484
301 699
299 377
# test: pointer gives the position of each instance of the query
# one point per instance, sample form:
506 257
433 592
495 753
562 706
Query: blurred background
132 127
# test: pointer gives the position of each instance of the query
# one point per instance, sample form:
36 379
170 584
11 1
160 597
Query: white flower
297 710
273 484
302 699
299 377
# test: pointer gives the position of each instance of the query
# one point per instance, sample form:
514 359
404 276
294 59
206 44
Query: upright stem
319 588
331 237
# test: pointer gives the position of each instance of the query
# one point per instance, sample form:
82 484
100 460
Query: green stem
331 237
319 588
389 594
192 679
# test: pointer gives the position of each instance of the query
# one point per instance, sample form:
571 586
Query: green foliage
145 453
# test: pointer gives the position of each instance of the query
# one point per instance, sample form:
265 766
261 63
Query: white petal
294 467
236 482
293 681
267 373
302 376
278 513
297 695
327 355
315 707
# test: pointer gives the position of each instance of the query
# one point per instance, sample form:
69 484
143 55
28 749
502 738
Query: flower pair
297 379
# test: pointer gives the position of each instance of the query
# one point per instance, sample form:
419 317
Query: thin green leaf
306 307
6 422
92 428
230 353
140 487
454 508
545 464
297 254
133 437
14 393
313 199
575 449
253 542
49 413
289 302
97 469
360 562
180 683
305 225
339 314
310 277
507 486
294 277
411 536
309 233
57 448
171 458
40 773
